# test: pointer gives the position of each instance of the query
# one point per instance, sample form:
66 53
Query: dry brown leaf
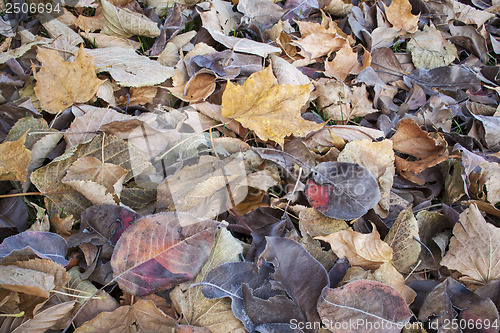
335 7
429 49
44 320
60 83
474 250
62 226
315 224
402 237
14 160
271 110
61 277
428 149
101 40
27 281
318 39
378 158
341 102
198 88
485 184
142 95
95 179
386 274
346 62
282 39
400 16
366 250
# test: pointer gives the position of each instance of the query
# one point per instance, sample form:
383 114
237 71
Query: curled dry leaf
160 251
60 83
271 110
122 23
400 16
198 88
474 250
371 303
366 250
378 158
14 160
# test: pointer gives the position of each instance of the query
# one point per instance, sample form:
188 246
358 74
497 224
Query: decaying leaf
474 250
271 110
346 62
366 250
367 302
403 237
429 49
60 83
14 160
160 251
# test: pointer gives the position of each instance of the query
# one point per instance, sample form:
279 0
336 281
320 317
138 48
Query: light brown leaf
61 277
318 39
315 224
429 49
341 102
61 197
62 226
14 160
60 83
474 250
401 239
366 250
46 319
400 16
123 23
87 174
198 88
346 62
27 281
378 158
272 110
485 184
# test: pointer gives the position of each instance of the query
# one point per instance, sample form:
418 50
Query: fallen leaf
484 183
346 62
128 68
400 16
142 315
366 250
198 88
300 275
33 244
403 237
318 39
344 191
271 110
161 262
378 158
97 181
14 160
369 303
46 319
260 12
213 314
315 224
429 49
444 301
341 102
244 45
473 248
61 84
27 281
121 23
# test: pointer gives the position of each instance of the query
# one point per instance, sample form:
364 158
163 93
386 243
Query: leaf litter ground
250 166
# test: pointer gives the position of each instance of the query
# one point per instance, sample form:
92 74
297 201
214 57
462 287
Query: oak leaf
271 110
60 83
400 16
474 249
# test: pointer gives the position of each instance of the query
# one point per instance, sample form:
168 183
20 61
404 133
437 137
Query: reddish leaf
363 306
32 244
160 251
344 191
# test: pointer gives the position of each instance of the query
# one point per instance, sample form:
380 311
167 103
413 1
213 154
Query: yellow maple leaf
270 109
59 84
400 16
